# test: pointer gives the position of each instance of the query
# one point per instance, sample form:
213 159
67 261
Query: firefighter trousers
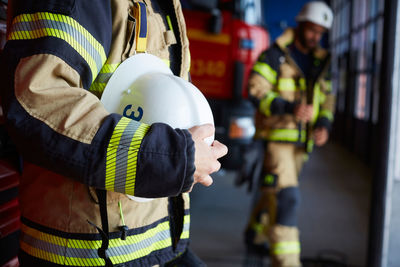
274 216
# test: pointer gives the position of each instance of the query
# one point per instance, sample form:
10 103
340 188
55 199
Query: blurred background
348 212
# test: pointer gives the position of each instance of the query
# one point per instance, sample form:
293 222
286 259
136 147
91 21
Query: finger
202 131
218 149
206 180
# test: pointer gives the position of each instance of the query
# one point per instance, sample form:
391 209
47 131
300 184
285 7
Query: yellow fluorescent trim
44 31
38 253
142 252
186 219
132 159
199 35
265 103
60 241
185 235
112 152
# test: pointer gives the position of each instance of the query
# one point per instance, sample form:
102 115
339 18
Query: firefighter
80 161
290 87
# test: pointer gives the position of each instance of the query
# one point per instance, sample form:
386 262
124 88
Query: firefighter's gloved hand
303 112
321 136
206 157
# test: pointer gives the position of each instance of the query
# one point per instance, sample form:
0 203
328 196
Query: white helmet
143 88
316 12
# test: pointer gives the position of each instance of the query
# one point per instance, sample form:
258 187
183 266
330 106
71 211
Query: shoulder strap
140 27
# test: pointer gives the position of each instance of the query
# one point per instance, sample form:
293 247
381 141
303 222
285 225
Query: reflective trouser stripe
287 135
266 71
45 24
265 103
122 151
75 252
287 247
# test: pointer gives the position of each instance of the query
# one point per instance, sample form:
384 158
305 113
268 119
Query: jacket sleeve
60 126
327 104
262 84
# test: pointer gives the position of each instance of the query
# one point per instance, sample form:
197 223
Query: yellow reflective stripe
286 84
186 223
316 102
112 152
133 239
117 259
269 179
266 71
102 78
286 248
78 252
50 247
185 235
328 86
109 68
286 135
45 24
132 158
265 103
326 114
121 161
310 145
257 227
289 84
170 23
141 27
322 98
41 254
302 84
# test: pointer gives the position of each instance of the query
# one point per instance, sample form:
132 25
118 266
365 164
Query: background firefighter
290 87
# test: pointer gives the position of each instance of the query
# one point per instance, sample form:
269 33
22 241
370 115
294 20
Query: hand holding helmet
206 157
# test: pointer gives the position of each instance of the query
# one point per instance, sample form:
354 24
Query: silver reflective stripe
103 77
45 24
78 252
123 155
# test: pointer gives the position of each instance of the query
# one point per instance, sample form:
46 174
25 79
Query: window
357 34
251 11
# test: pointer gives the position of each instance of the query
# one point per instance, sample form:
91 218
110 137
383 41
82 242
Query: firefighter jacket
277 84
54 67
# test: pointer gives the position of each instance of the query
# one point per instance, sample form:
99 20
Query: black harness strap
102 197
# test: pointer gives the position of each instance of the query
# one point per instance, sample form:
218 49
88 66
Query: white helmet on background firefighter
144 89
317 12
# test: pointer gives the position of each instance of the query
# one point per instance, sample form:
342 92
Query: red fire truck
226 37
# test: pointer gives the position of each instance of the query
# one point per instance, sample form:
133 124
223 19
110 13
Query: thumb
202 131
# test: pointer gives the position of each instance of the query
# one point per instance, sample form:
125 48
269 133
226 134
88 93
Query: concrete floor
333 214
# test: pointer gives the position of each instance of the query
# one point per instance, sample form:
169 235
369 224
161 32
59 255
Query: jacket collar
287 38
